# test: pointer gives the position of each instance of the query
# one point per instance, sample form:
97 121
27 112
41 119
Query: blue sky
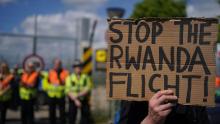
203 8
17 15
59 18
14 12
55 18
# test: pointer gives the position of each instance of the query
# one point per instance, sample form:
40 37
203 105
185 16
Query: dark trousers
27 111
85 112
3 111
53 103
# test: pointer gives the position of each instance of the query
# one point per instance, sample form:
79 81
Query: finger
165 106
166 98
162 92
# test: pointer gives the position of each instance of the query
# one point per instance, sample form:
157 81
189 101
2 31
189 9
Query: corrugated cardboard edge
213 20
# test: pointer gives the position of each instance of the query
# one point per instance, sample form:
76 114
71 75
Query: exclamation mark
205 89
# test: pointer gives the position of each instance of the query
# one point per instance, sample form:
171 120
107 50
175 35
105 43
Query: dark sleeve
188 115
133 112
38 80
200 115
12 83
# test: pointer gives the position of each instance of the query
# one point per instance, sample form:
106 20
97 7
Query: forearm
72 96
147 120
83 93
2 91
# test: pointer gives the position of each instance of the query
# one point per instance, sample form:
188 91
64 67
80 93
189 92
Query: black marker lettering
117 31
131 61
146 27
114 57
206 88
163 58
193 34
181 27
168 86
157 29
203 33
189 89
181 50
129 94
201 61
148 58
130 24
143 86
151 81
111 81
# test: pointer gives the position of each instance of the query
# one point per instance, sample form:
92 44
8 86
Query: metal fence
13 49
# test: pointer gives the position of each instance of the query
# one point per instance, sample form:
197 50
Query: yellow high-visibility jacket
27 93
75 85
5 91
53 86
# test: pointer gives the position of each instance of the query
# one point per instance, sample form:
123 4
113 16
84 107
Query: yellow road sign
100 59
101 55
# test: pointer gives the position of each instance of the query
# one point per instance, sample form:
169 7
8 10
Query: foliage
159 8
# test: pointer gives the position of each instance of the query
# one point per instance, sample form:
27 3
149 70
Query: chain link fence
13 50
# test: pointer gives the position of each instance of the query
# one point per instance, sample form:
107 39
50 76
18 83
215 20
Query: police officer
15 87
6 79
27 92
78 88
55 91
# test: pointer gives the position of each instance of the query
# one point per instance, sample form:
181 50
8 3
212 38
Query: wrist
150 120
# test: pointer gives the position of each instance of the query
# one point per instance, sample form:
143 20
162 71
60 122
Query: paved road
41 117
13 117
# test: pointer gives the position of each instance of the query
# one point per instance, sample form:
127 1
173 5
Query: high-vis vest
44 80
55 85
76 85
27 93
5 84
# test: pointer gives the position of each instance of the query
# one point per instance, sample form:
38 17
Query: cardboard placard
153 54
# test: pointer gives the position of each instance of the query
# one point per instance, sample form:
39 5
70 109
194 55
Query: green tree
159 8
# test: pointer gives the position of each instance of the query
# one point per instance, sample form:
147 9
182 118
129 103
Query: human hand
159 107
